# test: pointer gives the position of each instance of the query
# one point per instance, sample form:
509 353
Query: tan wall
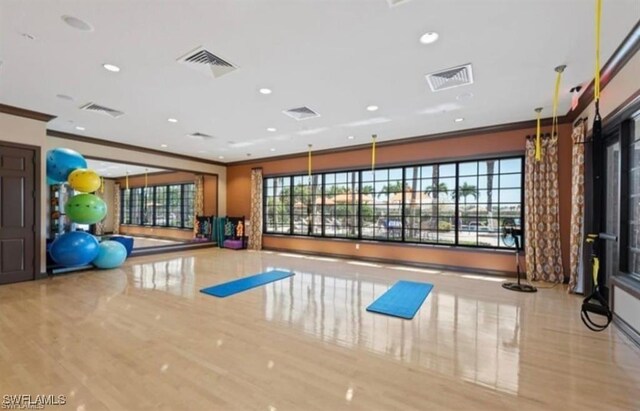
210 195
172 233
32 132
238 183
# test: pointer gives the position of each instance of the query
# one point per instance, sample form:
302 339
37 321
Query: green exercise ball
85 209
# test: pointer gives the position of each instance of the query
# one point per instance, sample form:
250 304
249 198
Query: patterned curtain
255 220
577 205
99 226
116 209
198 206
542 218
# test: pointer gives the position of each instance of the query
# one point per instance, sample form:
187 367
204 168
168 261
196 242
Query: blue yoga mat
246 283
402 300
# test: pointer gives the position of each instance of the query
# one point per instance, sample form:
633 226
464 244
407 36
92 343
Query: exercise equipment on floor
511 237
204 228
230 232
61 162
84 180
74 249
403 300
86 209
111 254
246 283
596 303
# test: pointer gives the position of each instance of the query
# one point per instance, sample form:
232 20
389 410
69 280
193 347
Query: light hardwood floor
143 337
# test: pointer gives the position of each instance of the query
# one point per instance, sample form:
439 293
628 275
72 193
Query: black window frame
147 199
399 236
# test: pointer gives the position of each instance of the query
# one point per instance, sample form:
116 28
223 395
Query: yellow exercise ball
84 180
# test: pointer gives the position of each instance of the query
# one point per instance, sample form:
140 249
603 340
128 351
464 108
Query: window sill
469 248
156 226
628 283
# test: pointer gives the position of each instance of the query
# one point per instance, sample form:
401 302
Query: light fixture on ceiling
459 120
80 128
272 149
221 157
111 67
172 120
265 91
271 129
164 145
429 37
372 108
350 137
76 23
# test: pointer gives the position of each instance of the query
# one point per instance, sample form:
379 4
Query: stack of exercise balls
78 248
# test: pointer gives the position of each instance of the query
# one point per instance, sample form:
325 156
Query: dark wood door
17 214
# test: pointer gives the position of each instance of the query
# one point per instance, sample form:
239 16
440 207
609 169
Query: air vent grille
450 78
205 61
301 113
200 135
96 108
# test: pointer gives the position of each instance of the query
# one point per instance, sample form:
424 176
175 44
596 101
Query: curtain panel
116 209
576 268
198 206
255 219
542 217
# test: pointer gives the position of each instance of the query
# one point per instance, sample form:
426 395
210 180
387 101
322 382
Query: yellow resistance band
538 137
556 96
126 181
373 152
596 81
102 184
145 177
309 162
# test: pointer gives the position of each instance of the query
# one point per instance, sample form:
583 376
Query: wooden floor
143 337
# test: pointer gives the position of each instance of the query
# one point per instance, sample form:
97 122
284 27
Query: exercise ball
84 180
85 209
51 181
74 249
61 162
111 254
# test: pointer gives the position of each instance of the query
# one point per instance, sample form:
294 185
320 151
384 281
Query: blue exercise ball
74 249
51 181
111 254
61 162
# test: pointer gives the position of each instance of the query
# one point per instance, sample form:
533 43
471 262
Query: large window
459 203
162 206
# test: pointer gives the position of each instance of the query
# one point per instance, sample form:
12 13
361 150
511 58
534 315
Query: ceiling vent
394 3
301 113
450 78
205 61
96 108
200 135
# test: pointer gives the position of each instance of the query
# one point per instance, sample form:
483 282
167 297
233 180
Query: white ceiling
114 170
337 57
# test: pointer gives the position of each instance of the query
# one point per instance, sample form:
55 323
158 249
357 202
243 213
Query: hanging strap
556 97
538 153
126 181
373 152
101 185
596 81
146 177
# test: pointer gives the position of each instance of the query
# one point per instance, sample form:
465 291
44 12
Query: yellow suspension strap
146 177
556 97
538 153
373 151
309 163
101 185
126 181
596 81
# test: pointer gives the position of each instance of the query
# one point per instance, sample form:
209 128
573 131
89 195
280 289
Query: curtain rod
545 135
579 120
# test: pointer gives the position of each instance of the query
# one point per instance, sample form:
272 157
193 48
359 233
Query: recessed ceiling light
221 157
28 36
272 149
271 129
76 23
428 38
265 91
459 120
80 128
64 97
372 108
172 120
163 145
111 67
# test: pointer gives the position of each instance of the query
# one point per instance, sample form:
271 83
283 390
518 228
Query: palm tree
391 189
465 191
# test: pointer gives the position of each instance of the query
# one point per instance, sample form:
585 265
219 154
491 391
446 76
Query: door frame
37 186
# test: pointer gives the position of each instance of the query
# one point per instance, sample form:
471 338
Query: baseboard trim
170 249
440 267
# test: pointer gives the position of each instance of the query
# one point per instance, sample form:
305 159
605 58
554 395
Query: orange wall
210 195
238 199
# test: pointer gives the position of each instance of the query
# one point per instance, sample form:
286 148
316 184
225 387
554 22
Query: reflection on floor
144 242
143 337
